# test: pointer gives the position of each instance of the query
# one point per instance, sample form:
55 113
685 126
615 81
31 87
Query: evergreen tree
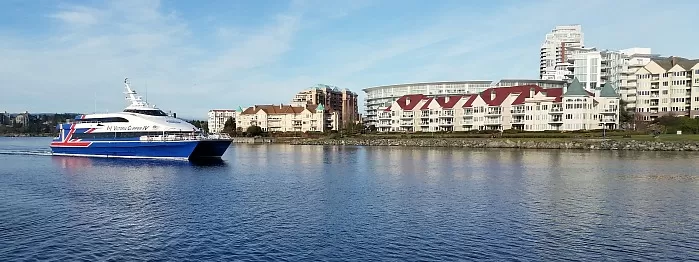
229 126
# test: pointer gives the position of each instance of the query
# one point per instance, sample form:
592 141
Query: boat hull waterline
174 150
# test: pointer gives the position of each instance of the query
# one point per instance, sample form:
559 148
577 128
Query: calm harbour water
307 203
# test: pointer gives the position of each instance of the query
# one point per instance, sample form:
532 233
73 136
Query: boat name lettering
127 128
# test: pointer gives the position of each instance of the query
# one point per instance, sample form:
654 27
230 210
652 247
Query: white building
559 45
667 86
288 118
380 97
218 118
527 108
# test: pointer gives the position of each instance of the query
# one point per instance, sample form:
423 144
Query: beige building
288 118
338 100
667 86
218 118
527 108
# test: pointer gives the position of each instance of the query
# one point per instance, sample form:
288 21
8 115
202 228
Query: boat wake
26 152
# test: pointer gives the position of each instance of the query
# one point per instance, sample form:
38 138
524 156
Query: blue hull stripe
155 149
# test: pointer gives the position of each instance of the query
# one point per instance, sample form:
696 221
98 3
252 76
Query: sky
192 56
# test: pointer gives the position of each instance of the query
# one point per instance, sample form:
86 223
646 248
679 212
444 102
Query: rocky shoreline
585 144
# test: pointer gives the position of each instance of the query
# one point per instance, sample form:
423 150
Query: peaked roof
576 89
448 102
320 107
607 91
408 102
668 62
278 109
426 105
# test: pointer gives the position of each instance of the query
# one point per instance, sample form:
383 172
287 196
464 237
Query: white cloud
78 16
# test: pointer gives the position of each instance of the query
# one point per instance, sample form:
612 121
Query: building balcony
407 116
517 112
446 123
495 112
406 123
556 120
424 123
467 123
608 120
609 111
383 116
492 123
517 121
556 110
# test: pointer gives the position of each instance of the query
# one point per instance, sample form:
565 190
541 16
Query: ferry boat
140 131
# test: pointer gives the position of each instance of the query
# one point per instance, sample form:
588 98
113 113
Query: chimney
673 61
492 94
254 107
531 92
280 106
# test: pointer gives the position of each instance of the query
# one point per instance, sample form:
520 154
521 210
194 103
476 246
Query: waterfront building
593 68
526 108
218 118
289 118
333 98
4 118
22 119
379 98
560 44
667 86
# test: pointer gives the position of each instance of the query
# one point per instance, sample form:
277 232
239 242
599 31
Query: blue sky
62 56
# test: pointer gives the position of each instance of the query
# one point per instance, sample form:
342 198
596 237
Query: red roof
450 103
427 104
408 102
469 102
388 109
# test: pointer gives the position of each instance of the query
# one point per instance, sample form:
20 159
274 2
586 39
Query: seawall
586 144
253 140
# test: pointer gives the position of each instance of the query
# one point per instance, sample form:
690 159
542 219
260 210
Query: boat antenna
146 91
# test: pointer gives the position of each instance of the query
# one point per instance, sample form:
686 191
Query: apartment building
338 100
527 108
5 118
594 68
218 118
289 118
559 45
379 98
667 86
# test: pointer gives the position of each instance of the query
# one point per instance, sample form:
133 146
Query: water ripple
305 203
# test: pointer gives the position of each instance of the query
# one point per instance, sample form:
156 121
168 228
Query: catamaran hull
176 150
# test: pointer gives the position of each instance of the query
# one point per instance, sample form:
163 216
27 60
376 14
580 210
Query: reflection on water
271 202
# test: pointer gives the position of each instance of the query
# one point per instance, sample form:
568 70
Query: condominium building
667 86
593 68
379 98
527 108
289 118
4 118
559 45
342 101
218 118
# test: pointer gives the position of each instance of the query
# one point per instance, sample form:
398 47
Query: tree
253 131
625 117
229 126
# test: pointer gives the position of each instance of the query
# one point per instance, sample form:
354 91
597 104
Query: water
303 203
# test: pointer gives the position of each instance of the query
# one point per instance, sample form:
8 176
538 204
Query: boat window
103 120
146 112
111 135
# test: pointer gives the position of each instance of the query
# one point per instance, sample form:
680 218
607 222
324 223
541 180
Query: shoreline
542 143
27 135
